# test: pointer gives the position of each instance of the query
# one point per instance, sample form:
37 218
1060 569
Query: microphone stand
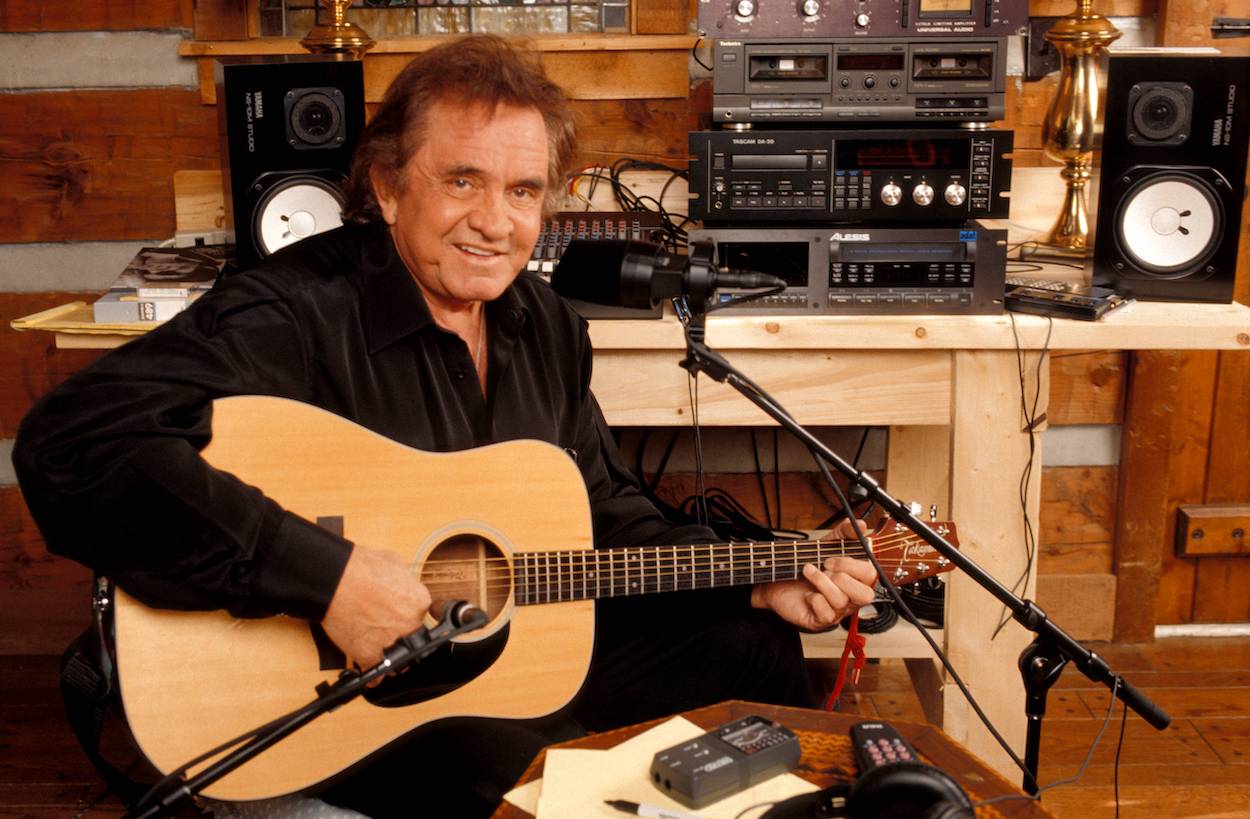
1041 661
175 789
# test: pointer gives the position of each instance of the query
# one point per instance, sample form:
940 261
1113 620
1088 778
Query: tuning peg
932 512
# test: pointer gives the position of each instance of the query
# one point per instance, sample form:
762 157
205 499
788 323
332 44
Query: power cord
1032 421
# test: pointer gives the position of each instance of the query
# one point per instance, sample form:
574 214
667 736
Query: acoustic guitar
506 526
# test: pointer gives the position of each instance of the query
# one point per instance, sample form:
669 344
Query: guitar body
191 680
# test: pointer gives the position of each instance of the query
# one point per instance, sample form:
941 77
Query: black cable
1118 747
927 599
759 477
1089 755
692 390
1032 419
884 620
694 51
777 474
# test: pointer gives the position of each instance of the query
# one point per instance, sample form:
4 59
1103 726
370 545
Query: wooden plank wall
1187 439
85 165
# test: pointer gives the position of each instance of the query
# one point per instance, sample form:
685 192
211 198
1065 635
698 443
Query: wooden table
826 757
948 388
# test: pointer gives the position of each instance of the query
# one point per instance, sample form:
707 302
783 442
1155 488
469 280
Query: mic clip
458 617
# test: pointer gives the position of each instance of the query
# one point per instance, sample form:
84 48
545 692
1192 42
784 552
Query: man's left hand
823 596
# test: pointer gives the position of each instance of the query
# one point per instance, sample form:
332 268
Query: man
411 321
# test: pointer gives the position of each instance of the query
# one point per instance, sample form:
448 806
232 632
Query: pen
649 811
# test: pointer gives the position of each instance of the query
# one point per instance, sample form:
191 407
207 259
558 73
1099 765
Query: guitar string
499 578
656 560
846 547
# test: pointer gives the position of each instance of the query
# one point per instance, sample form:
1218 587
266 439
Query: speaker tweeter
1160 113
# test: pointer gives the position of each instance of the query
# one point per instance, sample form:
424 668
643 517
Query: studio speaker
1174 141
288 128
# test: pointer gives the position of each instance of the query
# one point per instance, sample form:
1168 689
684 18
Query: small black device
725 760
878 743
864 19
852 80
1044 297
917 176
867 270
288 127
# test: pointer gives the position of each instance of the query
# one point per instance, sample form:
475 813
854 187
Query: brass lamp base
1068 131
1071 228
341 36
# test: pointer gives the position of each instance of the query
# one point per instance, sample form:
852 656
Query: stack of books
159 283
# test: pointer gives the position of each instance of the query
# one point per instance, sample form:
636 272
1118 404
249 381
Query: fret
720 565
564 561
675 573
772 551
585 591
521 586
559 577
693 569
614 572
546 574
631 586
598 574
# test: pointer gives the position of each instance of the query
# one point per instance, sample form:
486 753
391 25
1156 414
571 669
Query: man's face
469 210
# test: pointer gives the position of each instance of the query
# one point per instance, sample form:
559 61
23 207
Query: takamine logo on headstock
906 557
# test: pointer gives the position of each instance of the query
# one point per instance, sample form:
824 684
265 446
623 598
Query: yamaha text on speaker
850 81
919 176
288 126
860 270
1173 169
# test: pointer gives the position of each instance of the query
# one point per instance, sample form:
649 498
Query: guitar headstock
905 556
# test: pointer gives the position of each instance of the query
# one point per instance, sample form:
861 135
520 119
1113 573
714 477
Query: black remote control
877 744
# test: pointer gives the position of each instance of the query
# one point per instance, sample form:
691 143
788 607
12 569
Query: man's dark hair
481 69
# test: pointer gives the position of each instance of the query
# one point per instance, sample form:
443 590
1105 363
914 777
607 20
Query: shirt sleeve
109 464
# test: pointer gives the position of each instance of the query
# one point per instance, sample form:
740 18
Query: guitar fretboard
549 577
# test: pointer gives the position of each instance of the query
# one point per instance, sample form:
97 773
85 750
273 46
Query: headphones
897 790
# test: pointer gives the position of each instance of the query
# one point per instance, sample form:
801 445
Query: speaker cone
294 209
1169 224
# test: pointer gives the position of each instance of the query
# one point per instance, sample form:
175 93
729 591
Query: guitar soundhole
468 567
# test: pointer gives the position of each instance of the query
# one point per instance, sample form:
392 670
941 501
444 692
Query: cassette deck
858 81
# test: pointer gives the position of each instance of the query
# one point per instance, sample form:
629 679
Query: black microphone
639 274
463 614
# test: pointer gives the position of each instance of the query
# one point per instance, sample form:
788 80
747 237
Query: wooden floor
1200 766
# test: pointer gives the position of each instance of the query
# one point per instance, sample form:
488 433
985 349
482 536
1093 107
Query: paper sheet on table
648 742
576 782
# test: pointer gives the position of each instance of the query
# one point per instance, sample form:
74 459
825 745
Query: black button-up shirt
109 462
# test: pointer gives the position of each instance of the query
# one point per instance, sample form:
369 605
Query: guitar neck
549 577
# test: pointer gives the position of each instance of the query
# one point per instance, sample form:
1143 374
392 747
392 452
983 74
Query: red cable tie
855 645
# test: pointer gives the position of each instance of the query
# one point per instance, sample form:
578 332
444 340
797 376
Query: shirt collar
393 304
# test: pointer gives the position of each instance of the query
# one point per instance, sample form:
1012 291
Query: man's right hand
378 600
